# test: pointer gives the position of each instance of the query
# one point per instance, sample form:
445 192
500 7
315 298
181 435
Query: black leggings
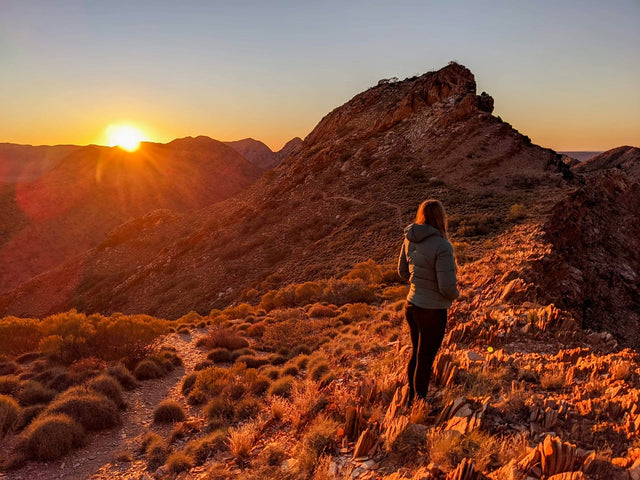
427 331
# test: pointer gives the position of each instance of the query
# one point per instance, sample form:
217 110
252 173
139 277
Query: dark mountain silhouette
342 197
58 202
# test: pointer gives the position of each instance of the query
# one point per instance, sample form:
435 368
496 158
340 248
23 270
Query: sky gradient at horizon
565 73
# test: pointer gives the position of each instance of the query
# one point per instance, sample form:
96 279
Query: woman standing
426 261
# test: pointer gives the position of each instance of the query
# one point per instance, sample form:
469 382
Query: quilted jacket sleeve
403 266
446 272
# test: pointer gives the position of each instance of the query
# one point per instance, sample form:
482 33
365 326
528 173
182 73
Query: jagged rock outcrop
594 265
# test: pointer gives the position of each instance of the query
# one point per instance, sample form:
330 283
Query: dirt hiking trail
97 459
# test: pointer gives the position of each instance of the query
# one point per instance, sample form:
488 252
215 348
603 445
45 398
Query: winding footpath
98 458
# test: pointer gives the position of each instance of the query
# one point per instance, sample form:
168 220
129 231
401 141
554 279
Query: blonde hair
431 212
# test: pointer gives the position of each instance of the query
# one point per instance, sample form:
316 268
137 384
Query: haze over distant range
566 73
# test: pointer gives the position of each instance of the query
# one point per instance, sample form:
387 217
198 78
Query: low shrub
516 212
223 338
320 436
246 408
323 311
259 385
252 361
290 370
9 414
282 387
169 411
156 453
123 376
256 330
148 370
109 387
202 365
272 373
9 385
32 393
49 437
147 439
217 408
179 462
220 355
318 370
91 410
202 448
188 383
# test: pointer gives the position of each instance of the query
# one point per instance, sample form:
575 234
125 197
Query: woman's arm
403 266
446 272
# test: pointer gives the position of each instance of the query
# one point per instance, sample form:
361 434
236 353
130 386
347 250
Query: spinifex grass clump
109 387
169 411
92 410
148 370
49 437
9 414
123 376
223 338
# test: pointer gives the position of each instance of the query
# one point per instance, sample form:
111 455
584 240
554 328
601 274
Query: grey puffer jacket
426 261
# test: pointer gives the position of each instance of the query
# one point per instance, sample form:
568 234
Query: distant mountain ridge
581 155
625 158
260 154
58 202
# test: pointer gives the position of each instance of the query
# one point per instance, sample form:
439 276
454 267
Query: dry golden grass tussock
553 380
242 439
200 449
280 408
420 411
621 370
448 448
179 462
223 338
480 382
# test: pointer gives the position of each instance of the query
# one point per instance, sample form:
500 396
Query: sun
126 137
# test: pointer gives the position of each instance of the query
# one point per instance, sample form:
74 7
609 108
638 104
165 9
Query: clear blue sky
566 73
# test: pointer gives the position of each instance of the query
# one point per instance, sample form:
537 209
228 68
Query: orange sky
564 73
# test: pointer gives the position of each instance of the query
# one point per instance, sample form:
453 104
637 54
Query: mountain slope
261 155
624 158
343 197
75 200
254 151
